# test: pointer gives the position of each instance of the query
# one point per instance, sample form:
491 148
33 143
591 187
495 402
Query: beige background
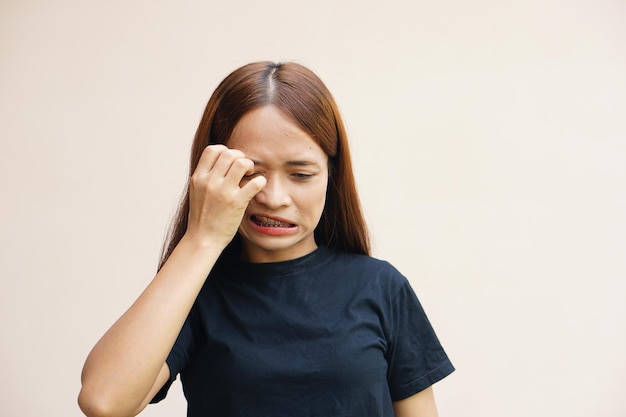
490 147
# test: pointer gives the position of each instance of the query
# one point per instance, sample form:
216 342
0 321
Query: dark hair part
303 98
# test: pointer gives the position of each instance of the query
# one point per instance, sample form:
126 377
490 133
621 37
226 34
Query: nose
275 194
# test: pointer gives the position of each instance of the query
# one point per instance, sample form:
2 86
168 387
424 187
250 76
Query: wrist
203 242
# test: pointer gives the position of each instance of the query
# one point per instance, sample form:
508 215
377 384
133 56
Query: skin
421 404
277 172
296 170
126 368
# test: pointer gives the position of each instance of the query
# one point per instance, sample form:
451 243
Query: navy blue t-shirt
328 334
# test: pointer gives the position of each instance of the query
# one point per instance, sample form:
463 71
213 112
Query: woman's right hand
217 198
128 366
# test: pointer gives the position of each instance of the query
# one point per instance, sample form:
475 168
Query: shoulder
364 261
370 270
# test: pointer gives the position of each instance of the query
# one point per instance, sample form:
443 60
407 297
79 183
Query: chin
274 250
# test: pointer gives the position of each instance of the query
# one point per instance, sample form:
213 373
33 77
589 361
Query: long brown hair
304 98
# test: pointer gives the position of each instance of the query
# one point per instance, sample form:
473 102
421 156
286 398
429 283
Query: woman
266 301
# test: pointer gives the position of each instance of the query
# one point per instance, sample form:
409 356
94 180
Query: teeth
264 221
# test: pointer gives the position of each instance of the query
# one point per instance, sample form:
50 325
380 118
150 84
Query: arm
421 404
127 366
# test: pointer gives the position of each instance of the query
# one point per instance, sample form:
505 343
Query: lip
272 230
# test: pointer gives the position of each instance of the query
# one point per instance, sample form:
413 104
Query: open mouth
269 222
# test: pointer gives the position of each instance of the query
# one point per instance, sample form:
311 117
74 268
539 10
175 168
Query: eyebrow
296 163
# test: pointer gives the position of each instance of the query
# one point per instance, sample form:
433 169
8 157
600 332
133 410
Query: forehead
266 134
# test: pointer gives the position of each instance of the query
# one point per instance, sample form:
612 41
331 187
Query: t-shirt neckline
239 268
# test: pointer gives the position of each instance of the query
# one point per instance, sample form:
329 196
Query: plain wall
489 142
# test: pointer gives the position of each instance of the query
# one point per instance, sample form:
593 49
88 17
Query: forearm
124 365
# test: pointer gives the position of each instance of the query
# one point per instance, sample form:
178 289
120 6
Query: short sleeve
416 359
178 357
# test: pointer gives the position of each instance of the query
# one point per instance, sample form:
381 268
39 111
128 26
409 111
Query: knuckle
216 148
234 153
242 163
195 179
201 182
211 150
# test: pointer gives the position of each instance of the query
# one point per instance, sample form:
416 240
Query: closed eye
302 175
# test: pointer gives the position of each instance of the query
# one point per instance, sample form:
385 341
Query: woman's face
280 220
